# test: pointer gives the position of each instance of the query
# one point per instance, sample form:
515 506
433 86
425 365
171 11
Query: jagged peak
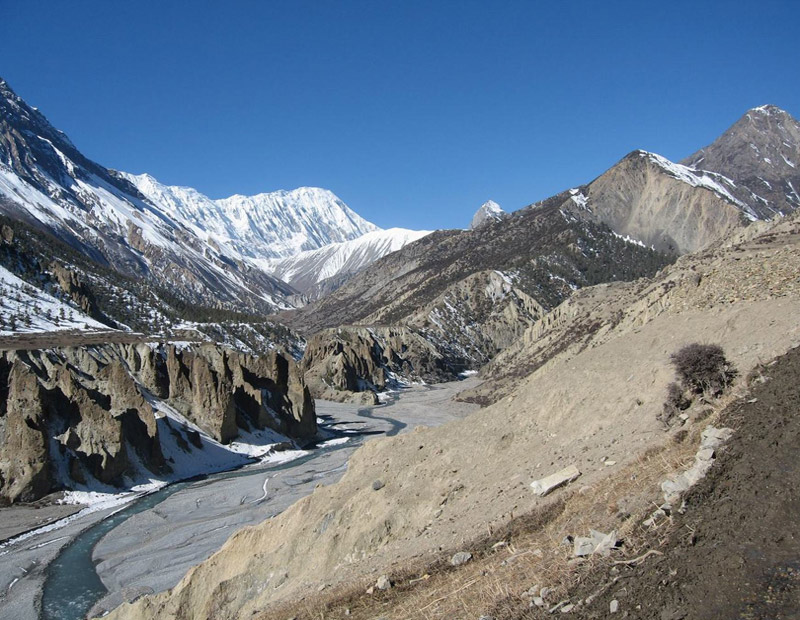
769 109
489 211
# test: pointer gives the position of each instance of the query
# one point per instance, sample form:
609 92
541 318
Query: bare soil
735 553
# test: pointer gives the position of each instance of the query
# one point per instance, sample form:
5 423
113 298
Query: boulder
552 482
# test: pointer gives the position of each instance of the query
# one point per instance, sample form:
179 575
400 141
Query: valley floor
151 550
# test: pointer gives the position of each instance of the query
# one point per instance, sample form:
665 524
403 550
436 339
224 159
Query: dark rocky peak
761 154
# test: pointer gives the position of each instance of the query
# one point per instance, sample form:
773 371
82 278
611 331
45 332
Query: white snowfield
271 225
345 257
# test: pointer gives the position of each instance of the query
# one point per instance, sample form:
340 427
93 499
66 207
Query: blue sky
414 113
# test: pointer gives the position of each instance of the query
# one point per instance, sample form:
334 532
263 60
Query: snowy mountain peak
490 211
307 270
271 225
769 110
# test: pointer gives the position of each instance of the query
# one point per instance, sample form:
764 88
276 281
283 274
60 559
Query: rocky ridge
82 415
761 152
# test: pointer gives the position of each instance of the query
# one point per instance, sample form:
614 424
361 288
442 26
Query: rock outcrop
489 212
73 414
341 362
661 204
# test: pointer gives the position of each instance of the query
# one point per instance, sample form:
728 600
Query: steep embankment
593 401
86 415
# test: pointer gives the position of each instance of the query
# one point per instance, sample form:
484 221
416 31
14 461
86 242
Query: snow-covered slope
24 308
307 269
47 182
272 225
761 152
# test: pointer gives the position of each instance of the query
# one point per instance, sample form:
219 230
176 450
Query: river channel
149 544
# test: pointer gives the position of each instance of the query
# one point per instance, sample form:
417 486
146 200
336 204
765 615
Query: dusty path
151 550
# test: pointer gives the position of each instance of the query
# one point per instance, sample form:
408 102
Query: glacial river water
148 544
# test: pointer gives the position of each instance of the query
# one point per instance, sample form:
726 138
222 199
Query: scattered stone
462 557
567 608
486 618
377 485
531 592
552 482
538 601
715 437
677 485
609 463
558 606
545 592
596 542
383 583
500 545
614 606
371 589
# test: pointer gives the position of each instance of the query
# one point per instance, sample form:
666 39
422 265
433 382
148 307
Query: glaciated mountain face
761 154
489 212
48 183
337 261
272 225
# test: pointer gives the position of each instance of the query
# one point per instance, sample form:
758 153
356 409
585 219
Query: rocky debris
677 485
460 558
383 583
613 606
554 481
377 485
74 413
596 542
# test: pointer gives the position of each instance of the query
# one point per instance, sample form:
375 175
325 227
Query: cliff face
71 414
661 204
339 363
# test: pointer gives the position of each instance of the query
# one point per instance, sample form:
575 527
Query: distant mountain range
213 253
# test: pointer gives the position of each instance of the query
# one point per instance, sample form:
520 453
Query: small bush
703 368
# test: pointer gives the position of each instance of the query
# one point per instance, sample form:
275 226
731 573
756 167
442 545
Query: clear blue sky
414 113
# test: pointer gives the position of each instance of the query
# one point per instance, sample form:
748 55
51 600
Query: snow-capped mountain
46 182
761 152
489 212
306 270
272 225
